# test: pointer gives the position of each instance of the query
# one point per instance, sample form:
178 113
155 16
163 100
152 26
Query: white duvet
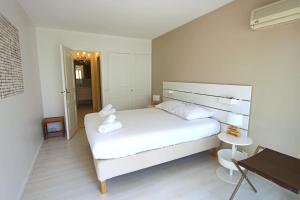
143 130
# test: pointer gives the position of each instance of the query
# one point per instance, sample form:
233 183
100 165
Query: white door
121 80
142 81
68 90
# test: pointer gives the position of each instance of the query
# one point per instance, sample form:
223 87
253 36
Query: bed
144 130
152 136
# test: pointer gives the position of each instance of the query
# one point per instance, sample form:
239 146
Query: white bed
151 136
144 130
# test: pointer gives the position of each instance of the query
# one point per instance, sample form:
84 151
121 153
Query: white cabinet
129 81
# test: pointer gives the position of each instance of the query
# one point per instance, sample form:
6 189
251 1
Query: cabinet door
141 97
121 66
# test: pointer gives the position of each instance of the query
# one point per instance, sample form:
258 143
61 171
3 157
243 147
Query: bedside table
228 172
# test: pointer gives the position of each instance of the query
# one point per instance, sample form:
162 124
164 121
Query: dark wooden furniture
279 168
49 120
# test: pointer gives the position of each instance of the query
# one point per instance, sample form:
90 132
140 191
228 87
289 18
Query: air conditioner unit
275 13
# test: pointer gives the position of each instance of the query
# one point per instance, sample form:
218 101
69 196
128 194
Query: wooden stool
49 120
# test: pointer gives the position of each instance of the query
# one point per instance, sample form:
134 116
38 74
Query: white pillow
169 106
190 112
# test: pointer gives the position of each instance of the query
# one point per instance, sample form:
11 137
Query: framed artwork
11 73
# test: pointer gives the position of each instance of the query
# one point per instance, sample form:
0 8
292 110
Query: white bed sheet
143 130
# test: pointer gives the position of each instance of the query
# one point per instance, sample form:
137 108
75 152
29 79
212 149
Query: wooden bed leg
103 187
214 152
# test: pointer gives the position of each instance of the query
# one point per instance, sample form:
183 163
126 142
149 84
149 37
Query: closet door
141 96
121 66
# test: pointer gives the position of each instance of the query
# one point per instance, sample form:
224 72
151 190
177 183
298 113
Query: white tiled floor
65 170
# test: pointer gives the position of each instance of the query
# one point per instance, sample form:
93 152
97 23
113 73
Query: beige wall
220 48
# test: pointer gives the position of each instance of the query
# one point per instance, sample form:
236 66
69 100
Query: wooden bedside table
49 120
228 172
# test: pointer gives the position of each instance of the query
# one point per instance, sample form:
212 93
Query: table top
230 139
53 119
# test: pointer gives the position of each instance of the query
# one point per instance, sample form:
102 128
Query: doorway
87 75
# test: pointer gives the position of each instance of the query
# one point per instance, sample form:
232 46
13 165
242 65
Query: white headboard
222 99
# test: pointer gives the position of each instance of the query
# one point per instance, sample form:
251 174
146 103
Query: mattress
144 130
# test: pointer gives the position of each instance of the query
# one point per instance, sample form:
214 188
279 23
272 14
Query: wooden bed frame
214 96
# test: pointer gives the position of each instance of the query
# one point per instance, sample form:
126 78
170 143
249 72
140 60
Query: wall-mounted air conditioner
275 13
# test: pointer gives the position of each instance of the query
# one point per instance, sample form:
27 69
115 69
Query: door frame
96 81
101 67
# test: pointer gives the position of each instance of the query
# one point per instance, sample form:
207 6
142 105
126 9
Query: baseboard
30 169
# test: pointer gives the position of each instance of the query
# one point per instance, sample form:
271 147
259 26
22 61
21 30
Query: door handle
65 91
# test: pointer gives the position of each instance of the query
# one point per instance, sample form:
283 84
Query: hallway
82 110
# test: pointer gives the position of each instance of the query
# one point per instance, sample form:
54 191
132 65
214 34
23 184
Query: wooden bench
50 120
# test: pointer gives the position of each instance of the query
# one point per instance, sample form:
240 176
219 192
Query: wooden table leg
214 152
45 130
43 126
103 187
64 128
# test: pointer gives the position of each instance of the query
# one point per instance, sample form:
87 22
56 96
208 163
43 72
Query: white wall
48 41
20 115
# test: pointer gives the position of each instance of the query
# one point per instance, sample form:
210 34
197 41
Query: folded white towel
104 113
106 128
107 107
110 119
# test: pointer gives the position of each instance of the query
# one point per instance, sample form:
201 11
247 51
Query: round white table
228 172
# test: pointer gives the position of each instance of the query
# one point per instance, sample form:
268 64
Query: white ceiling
132 18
